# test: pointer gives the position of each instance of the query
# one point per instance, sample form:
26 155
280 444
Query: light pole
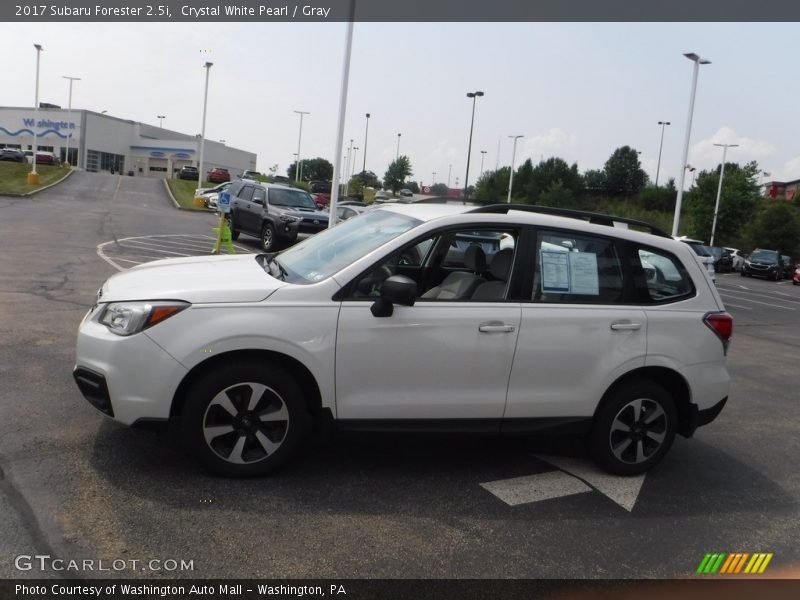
433 178
474 96
298 171
347 168
660 146
692 171
483 155
697 62
207 67
511 175
719 187
366 134
353 165
449 172
398 147
69 115
33 176
161 120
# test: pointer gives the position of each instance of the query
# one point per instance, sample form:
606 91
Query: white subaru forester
422 317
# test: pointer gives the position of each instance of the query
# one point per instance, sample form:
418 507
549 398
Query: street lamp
449 172
207 67
433 178
298 171
660 146
398 147
33 176
474 96
366 133
353 164
719 187
69 115
697 62
483 155
691 170
161 120
511 176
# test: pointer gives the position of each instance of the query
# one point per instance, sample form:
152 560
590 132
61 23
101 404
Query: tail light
720 323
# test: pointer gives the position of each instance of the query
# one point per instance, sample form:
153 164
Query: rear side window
660 276
246 192
576 269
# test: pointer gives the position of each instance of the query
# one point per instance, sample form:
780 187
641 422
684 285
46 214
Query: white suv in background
427 317
703 255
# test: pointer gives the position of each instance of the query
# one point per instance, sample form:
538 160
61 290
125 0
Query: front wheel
234 231
244 418
634 428
268 242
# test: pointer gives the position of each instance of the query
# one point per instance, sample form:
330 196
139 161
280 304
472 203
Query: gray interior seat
500 269
460 285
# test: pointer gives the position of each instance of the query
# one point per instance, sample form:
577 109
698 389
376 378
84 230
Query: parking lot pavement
80 486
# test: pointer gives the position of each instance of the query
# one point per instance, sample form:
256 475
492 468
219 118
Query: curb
41 189
175 202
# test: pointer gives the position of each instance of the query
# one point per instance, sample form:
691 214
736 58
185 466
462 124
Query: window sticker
583 274
555 272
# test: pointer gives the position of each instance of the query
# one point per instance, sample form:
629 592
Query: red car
218 175
796 276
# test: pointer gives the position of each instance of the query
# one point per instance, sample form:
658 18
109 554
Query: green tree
740 192
594 182
396 174
557 195
493 185
439 189
777 227
624 175
314 169
545 174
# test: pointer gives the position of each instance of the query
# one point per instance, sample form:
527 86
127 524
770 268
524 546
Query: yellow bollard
33 178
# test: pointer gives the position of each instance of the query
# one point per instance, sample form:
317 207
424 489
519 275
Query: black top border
417 11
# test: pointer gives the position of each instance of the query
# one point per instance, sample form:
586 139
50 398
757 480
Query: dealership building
99 142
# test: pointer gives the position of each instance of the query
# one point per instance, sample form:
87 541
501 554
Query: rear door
577 333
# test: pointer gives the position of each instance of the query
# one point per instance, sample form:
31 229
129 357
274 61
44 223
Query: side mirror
397 289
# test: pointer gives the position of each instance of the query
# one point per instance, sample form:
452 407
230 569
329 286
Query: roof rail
592 217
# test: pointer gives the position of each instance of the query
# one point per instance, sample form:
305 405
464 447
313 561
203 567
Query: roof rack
592 217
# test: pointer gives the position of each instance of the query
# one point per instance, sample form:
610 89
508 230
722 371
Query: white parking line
741 299
768 296
133 248
146 246
534 488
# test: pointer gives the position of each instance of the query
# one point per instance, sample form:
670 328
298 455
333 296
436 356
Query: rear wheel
634 428
245 418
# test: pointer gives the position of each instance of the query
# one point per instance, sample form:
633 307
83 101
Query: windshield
765 256
330 251
291 198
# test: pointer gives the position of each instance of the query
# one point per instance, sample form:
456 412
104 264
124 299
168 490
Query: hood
306 213
197 279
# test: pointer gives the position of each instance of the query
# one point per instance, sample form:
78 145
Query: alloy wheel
638 431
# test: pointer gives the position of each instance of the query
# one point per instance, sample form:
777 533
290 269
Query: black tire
244 418
234 232
268 241
617 421
742 273
778 276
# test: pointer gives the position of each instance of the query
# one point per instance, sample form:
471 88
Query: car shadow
423 475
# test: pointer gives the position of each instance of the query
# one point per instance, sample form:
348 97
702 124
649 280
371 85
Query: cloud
706 156
553 142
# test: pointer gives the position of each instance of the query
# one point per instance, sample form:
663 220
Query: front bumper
127 378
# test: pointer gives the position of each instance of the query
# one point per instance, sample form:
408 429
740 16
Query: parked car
273 213
406 193
796 275
763 263
214 190
381 196
12 154
250 175
788 266
47 158
723 263
703 255
556 330
737 258
190 173
348 211
218 175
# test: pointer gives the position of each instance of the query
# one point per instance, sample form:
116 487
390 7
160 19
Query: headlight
127 318
289 218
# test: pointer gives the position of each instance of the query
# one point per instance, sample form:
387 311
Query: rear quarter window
660 276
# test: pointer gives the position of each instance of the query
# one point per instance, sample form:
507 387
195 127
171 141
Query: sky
573 90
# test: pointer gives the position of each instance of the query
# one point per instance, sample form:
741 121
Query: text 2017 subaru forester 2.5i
496 319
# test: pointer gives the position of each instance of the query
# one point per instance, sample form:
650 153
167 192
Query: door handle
625 326
496 328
